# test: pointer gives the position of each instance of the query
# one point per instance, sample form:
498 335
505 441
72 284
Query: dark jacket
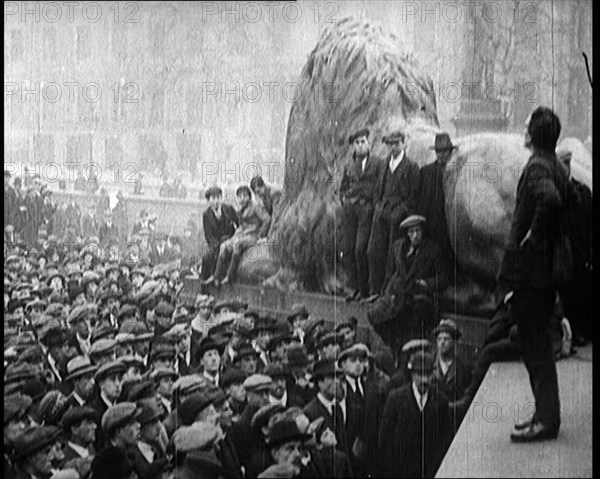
216 231
358 185
315 409
413 443
403 186
401 276
456 380
541 193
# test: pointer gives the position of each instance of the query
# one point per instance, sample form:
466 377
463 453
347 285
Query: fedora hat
443 143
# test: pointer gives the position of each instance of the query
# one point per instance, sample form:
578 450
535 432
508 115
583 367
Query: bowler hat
208 343
443 143
15 406
142 390
262 416
324 368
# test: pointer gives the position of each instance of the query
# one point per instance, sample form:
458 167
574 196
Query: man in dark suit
414 277
538 225
160 253
330 403
356 193
142 224
108 230
432 200
415 432
220 221
394 197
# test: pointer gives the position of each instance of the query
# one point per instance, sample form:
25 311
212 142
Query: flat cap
257 382
413 220
163 351
19 372
358 350
51 407
149 411
285 431
448 326
159 373
189 384
102 346
164 309
132 360
102 331
34 439
415 345
138 329
15 406
232 376
118 415
32 354
350 322
245 349
197 402
142 390
329 338
209 343
200 435
358 134
126 311
108 369
78 313
262 416
74 415
275 370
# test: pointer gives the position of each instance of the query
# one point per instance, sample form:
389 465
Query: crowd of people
114 370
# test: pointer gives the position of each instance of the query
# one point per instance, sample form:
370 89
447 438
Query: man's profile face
361 146
445 343
289 453
567 164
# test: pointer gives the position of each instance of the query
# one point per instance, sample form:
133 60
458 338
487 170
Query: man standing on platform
356 193
527 268
395 198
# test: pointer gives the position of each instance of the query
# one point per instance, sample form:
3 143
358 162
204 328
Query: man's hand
422 283
328 438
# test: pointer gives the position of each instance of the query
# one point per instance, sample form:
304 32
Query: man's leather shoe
523 425
536 431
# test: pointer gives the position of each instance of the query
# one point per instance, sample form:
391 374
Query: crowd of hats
49 305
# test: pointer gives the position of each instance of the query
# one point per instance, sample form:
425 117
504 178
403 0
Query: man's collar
82 451
106 401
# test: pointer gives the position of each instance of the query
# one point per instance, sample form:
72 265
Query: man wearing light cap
414 432
414 277
356 194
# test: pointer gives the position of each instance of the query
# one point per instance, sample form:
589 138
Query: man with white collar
330 402
163 379
80 326
80 372
415 428
394 198
209 352
109 378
